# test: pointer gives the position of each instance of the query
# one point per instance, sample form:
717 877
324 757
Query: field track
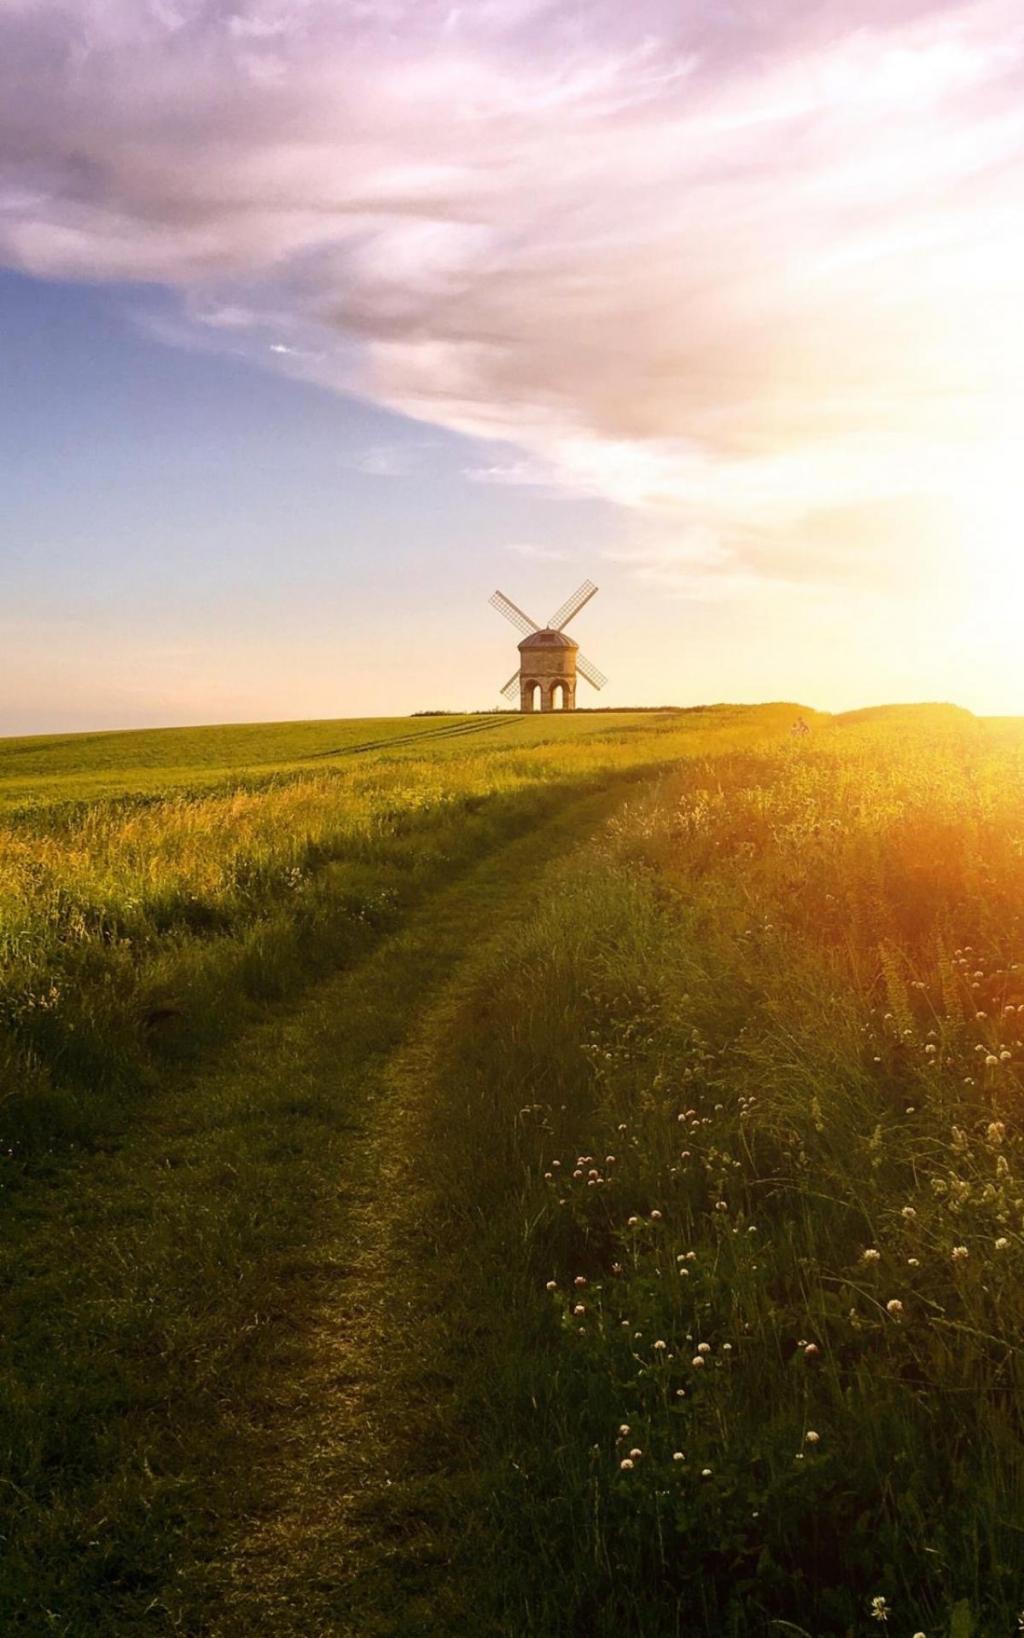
324 1439
426 737
353 1538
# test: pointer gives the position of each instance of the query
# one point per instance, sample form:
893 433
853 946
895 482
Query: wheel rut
364 1482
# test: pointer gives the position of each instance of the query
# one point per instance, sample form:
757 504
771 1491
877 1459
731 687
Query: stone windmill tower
548 659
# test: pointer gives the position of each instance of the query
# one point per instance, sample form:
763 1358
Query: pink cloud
751 270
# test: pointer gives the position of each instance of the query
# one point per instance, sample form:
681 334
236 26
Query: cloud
751 273
535 553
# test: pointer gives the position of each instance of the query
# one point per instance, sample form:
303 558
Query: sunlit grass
761 1064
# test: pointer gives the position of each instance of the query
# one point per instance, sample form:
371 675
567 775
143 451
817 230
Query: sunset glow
745 280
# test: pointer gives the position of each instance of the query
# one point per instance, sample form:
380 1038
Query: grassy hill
525 1176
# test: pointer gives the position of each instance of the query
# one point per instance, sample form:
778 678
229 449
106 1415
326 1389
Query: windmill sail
513 612
511 688
595 678
572 605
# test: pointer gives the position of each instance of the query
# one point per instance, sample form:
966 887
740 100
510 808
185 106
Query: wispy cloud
536 553
751 272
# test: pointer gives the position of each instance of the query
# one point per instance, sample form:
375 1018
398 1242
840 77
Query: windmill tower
548 659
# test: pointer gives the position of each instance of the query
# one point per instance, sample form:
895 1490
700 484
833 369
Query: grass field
477 1175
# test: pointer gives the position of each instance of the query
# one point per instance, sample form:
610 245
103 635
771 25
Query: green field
535 1177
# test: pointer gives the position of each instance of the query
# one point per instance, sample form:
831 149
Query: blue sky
188 536
322 318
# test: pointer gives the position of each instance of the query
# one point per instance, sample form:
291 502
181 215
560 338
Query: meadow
549 1178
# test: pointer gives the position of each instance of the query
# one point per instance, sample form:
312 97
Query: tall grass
145 927
735 1128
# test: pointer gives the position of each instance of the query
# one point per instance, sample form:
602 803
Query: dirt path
365 1483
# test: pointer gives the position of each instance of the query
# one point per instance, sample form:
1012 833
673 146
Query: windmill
548 659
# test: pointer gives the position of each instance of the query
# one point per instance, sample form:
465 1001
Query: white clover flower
871 1255
636 1454
626 1465
655 1216
552 1285
705 1473
1002 1243
879 1609
659 1344
698 1361
811 1350
894 1307
812 1438
959 1254
580 1281
703 1347
908 1212
624 1431
677 1456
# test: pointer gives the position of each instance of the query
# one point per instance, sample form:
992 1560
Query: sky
320 319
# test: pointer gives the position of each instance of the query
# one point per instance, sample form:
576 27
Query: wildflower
659 1344
580 1308
632 1222
990 1060
616 1268
995 1131
931 1048
552 1285
811 1350
677 1456
655 1216
959 1254
879 1610
703 1347
894 1307
698 1361
1005 1056
812 1438
626 1465
871 1255
913 1262
580 1281
1002 1243
908 1212
636 1453
705 1473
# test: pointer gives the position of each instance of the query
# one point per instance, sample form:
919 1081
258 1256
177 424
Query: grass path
236 1429
367 1487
